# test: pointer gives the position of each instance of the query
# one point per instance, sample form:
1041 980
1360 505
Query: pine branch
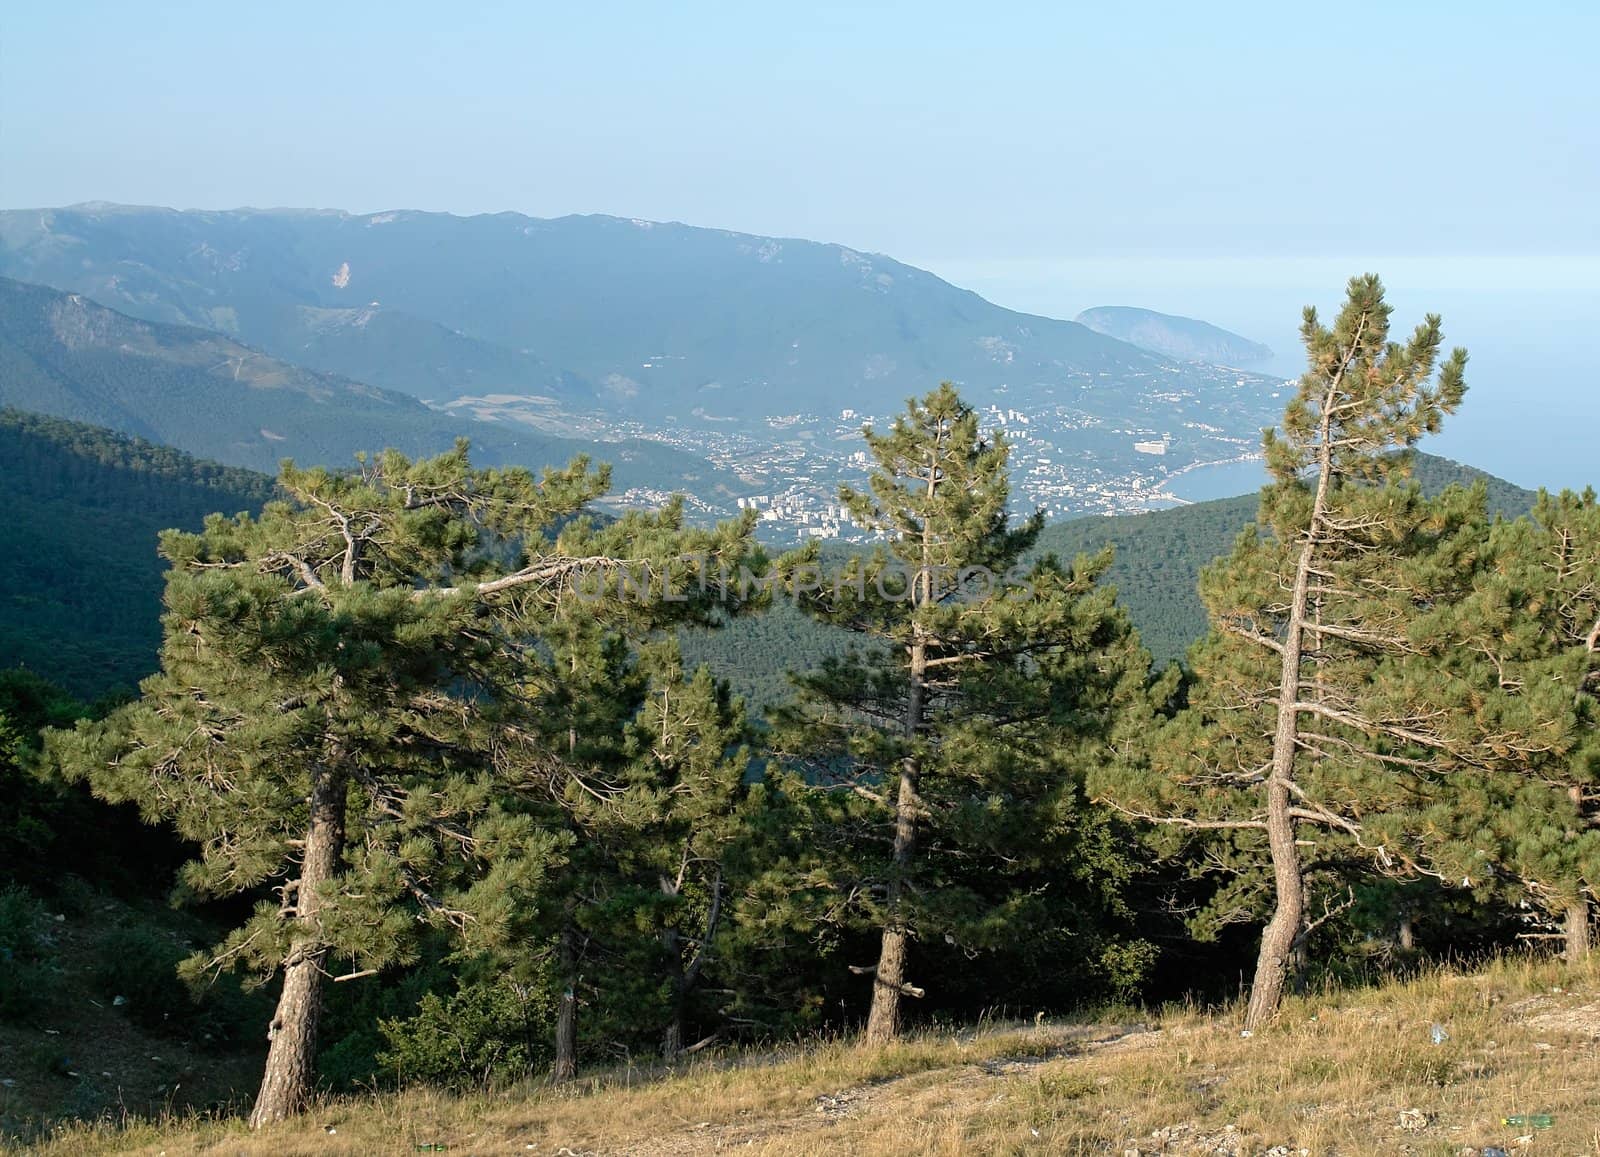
1328 913
1235 625
1372 726
1182 821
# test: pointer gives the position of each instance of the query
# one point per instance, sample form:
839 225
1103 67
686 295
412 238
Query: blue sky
956 132
1231 161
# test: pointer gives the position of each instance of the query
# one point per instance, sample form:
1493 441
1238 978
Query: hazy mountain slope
80 581
664 319
1184 338
419 357
204 393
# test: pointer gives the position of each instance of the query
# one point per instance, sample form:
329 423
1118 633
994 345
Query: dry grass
1343 1073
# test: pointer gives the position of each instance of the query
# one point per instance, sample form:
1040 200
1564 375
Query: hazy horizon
1520 318
1024 130
1524 321
1226 163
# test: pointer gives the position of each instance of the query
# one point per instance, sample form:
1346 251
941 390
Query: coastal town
1063 462
1087 444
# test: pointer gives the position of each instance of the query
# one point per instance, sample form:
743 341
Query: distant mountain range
653 320
1184 338
205 393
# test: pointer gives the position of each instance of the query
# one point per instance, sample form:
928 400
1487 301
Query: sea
1223 480
1530 325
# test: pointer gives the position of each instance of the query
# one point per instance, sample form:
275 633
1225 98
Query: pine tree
1307 724
339 719
649 765
671 832
958 737
1522 655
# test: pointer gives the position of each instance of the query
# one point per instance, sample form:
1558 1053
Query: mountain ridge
208 394
660 317
1174 336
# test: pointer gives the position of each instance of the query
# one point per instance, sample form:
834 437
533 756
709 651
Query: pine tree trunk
1577 914
1278 938
1408 933
889 978
883 1022
1577 931
672 1034
565 1065
1299 963
683 979
290 1075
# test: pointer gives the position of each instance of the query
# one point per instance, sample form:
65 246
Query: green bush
76 896
140 965
27 979
352 1018
487 1033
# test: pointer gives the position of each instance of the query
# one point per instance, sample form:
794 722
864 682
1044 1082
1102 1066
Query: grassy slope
1352 1072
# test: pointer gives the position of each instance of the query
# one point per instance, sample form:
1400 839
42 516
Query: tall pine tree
1307 733
957 738
670 830
340 720
1521 657
650 771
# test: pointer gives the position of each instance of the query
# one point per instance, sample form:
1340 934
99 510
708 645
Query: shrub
27 979
352 1019
140 964
76 896
488 1032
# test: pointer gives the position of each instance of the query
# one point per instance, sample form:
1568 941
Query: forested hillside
603 579
83 579
81 599
1155 570
1159 555
80 581
424 722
